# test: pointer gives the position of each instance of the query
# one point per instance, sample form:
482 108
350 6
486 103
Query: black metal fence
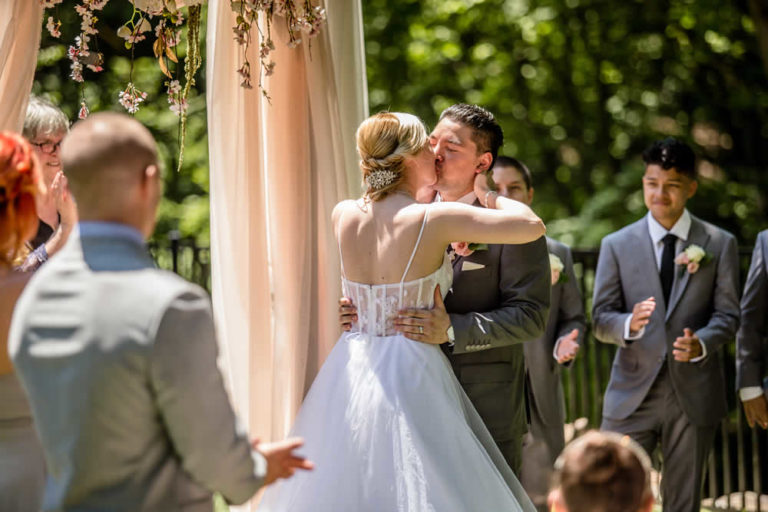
738 464
184 257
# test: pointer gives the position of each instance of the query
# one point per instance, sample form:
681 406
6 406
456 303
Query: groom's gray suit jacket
493 310
119 362
706 302
752 339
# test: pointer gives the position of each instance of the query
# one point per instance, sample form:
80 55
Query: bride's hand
485 189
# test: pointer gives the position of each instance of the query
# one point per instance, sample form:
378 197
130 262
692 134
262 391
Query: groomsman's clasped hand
687 347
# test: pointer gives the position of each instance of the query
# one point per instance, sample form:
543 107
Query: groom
666 294
500 294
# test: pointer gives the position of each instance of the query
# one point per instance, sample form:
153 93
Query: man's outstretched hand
281 461
756 411
568 347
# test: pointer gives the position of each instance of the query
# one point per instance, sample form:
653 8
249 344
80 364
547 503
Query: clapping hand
568 347
687 346
281 461
641 314
65 204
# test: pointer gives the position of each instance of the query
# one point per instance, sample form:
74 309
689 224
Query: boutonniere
693 257
467 248
556 266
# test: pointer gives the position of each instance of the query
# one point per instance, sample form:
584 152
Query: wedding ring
421 329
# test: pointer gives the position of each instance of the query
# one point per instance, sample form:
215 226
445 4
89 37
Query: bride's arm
502 221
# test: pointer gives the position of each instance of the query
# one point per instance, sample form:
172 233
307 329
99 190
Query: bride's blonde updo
384 141
20 181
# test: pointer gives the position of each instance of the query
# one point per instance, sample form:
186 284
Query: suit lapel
698 237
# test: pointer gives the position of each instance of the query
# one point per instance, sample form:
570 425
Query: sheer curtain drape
20 26
276 172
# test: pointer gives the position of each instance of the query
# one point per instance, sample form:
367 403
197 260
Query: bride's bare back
377 239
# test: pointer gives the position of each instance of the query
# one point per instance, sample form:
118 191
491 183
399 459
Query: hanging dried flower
83 110
131 98
301 17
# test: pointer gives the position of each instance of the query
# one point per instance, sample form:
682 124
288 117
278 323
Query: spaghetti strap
415 247
338 242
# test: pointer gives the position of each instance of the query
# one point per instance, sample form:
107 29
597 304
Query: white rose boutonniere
556 266
693 257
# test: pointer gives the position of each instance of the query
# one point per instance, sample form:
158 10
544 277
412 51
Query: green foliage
581 87
185 203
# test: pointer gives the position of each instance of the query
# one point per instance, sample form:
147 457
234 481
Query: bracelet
486 196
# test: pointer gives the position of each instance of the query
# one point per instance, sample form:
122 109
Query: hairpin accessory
380 178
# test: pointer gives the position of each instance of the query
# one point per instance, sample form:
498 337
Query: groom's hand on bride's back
425 325
281 461
347 313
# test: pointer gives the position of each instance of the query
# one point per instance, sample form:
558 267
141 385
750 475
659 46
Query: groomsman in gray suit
119 359
752 339
500 293
666 294
545 356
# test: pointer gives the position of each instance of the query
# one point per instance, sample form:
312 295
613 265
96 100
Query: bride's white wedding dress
387 424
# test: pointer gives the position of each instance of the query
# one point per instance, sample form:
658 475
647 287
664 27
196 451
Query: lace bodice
378 304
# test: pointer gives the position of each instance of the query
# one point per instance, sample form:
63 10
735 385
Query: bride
385 421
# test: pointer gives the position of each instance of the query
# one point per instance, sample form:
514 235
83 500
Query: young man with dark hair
666 294
486 132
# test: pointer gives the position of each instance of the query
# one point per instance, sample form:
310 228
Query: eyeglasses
47 146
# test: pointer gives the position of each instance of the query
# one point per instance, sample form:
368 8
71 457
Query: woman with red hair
22 468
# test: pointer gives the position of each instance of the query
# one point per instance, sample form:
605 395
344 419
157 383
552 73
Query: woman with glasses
45 127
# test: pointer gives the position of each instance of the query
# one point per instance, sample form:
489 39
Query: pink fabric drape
20 26
276 172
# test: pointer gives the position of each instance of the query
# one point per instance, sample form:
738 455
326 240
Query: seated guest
118 358
22 467
45 127
602 472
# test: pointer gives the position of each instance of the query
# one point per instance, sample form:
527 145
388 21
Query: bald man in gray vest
119 359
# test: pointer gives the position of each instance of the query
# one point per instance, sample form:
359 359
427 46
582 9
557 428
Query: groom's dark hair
486 132
672 153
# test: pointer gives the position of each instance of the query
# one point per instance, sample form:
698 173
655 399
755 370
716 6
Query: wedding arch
281 155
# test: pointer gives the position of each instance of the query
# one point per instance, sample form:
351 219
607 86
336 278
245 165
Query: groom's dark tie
667 273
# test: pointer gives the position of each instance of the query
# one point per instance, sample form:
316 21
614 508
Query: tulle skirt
390 429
